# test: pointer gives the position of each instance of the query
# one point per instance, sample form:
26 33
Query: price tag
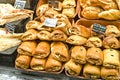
99 28
53 3
19 4
10 28
50 22
56 4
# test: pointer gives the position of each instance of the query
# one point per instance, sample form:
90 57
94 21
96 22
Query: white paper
50 22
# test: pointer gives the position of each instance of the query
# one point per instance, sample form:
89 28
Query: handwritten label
99 28
10 28
50 22
19 4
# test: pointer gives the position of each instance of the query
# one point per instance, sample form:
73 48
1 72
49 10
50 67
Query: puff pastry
78 54
43 35
58 35
69 3
91 71
94 42
27 48
111 42
30 35
109 74
76 40
79 30
37 64
59 51
95 56
53 65
111 58
73 68
23 61
42 50
112 30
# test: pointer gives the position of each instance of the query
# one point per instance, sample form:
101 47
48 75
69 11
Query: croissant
112 14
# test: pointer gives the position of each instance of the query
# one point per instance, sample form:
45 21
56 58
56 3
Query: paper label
53 3
99 28
50 22
19 4
10 28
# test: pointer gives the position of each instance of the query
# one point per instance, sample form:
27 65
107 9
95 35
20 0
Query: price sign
50 22
10 28
99 28
53 3
19 4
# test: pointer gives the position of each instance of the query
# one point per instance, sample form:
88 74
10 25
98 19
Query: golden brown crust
27 47
78 54
23 61
42 50
68 3
59 51
73 68
37 64
95 56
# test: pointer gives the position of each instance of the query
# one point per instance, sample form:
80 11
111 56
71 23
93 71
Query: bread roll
76 40
23 61
109 74
43 35
68 3
59 51
72 68
42 50
118 3
79 30
58 35
27 48
94 42
91 71
95 56
111 58
112 14
112 30
111 42
53 65
91 12
78 54
30 35
37 64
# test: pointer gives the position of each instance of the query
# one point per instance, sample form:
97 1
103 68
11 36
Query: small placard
19 4
50 22
10 28
99 28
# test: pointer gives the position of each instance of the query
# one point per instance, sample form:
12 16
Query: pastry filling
54 68
21 65
21 51
60 57
38 67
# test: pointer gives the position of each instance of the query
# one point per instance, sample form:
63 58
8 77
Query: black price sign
99 28
53 3
10 28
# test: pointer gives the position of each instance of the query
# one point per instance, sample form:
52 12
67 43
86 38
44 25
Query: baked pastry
23 61
40 10
72 68
112 30
27 48
109 74
30 35
91 12
78 54
43 35
111 42
94 42
91 71
53 65
37 64
118 3
58 35
69 12
84 3
32 24
68 3
111 58
94 56
42 50
76 40
112 14
79 30
59 51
